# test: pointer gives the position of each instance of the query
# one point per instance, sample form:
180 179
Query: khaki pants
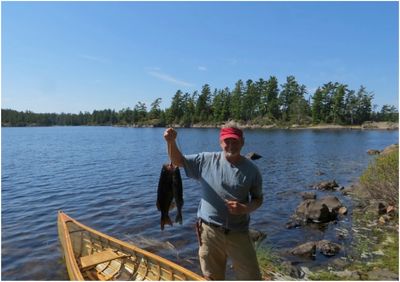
217 247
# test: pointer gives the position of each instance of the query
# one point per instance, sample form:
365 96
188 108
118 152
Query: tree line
261 102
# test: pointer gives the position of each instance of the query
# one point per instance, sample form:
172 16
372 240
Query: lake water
106 177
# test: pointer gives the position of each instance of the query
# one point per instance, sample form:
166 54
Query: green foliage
337 111
271 100
220 106
203 105
236 101
316 110
351 104
387 113
251 101
292 99
381 179
364 100
155 112
258 102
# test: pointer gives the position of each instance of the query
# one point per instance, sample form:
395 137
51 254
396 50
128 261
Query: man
231 190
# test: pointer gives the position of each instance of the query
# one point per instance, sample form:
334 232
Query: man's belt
223 229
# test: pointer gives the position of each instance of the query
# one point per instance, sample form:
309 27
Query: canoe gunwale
72 267
75 272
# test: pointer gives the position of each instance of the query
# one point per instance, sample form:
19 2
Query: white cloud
169 78
93 58
153 68
201 68
232 61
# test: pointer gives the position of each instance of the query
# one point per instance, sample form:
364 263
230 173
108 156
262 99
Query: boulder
381 208
319 212
306 250
383 219
373 152
257 236
326 185
322 210
294 223
253 156
347 190
328 248
342 210
308 195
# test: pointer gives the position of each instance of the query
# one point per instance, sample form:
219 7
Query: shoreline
364 126
373 252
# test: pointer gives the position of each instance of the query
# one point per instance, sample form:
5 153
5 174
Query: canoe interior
101 258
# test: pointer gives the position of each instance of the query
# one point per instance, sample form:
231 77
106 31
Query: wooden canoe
92 255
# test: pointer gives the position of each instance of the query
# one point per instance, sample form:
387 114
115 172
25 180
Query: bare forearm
174 154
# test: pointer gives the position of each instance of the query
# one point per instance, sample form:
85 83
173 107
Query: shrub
381 179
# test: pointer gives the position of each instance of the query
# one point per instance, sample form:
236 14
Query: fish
165 194
177 190
169 194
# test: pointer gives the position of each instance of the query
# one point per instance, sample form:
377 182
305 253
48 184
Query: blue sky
85 56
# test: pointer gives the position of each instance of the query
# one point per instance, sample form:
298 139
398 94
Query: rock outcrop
317 211
326 185
327 248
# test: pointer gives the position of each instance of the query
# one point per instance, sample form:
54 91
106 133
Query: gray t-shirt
222 181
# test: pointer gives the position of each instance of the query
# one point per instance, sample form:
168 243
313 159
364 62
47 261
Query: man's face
231 146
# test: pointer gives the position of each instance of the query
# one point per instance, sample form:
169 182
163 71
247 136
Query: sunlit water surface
106 177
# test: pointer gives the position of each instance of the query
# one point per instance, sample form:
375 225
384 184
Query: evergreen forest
260 103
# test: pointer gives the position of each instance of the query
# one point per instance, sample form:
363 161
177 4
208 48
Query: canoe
92 255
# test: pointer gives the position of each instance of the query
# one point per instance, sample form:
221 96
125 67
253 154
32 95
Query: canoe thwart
99 257
92 255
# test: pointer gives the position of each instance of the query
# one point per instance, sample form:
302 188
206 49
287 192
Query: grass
324 275
269 262
391 250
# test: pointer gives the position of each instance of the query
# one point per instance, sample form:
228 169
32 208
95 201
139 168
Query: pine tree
236 101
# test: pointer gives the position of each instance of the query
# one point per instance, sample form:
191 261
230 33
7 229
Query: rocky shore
373 251
365 126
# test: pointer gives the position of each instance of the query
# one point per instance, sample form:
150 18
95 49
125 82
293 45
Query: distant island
259 104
